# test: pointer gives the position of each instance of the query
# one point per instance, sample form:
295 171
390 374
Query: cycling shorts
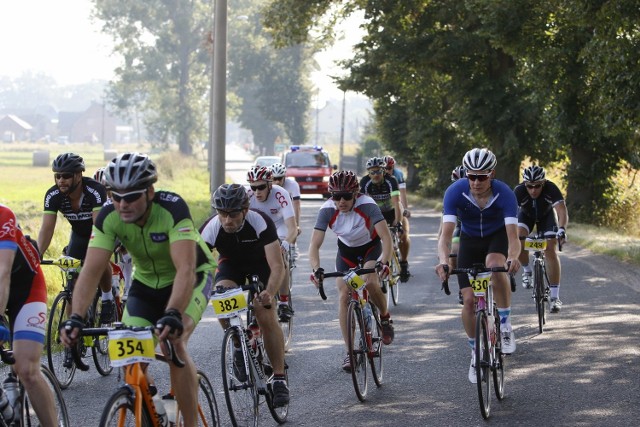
145 305
77 247
27 306
475 250
238 270
348 257
548 224
390 217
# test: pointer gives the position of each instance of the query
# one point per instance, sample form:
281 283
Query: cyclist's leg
497 257
525 225
404 245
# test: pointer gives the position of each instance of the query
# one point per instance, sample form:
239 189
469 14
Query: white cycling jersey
292 186
278 206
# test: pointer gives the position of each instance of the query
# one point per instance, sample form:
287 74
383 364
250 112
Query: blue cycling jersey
500 210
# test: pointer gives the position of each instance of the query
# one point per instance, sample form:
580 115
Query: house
13 128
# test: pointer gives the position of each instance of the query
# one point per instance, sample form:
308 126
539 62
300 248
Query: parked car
311 168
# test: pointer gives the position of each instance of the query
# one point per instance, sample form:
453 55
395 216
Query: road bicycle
391 284
133 403
59 361
489 359
23 412
287 326
364 330
245 385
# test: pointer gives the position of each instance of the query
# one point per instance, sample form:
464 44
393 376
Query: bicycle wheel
241 396
100 345
54 347
483 364
498 362
538 283
287 327
394 281
280 413
207 406
375 355
119 410
29 417
357 347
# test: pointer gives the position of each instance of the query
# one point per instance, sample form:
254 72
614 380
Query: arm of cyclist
513 263
317 238
292 230
46 232
385 235
7 256
563 220
397 209
84 290
277 275
444 247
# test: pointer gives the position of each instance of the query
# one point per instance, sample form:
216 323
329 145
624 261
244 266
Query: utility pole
218 116
344 98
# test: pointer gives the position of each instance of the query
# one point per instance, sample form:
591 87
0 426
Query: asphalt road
583 370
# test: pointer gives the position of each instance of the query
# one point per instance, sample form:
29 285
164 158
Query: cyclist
247 243
405 241
125 259
279 176
23 296
79 199
487 210
276 203
173 272
538 199
357 221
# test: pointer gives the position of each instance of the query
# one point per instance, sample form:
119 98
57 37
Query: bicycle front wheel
375 355
29 417
119 411
278 413
240 389
483 364
498 362
100 345
56 351
357 347
394 280
538 275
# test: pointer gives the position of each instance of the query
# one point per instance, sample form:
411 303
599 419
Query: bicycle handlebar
7 356
474 271
96 332
358 271
254 285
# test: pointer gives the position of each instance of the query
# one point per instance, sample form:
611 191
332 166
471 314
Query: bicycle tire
280 413
498 362
99 345
122 404
241 396
357 348
54 347
29 417
208 414
375 356
483 364
538 285
394 281
287 327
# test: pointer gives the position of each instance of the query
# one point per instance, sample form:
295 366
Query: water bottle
162 413
368 316
5 407
170 405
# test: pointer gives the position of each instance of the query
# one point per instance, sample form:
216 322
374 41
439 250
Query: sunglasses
63 176
533 185
376 172
129 197
345 196
479 177
229 214
258 187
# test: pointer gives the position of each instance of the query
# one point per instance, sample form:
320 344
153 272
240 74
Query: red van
311 168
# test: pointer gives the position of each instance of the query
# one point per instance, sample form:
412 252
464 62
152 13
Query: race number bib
354 281
127 347
480 283
535 244
68 263
229 303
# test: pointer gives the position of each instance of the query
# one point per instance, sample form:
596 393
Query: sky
59 39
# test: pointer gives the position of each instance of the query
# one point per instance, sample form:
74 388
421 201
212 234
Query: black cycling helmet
230 197
130 171
68 162
533 173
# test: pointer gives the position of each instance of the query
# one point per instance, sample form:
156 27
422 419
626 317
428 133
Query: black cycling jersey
538 208
94 196
381 193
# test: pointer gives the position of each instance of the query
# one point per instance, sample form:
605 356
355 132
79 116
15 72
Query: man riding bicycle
279 177
359 224
79 199
487 211
275 202
247 244
405 242
537 199
23 296
173 268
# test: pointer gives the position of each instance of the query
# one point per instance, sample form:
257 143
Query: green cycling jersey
149 245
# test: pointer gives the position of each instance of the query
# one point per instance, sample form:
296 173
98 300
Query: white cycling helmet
278 170
533 173
479 159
